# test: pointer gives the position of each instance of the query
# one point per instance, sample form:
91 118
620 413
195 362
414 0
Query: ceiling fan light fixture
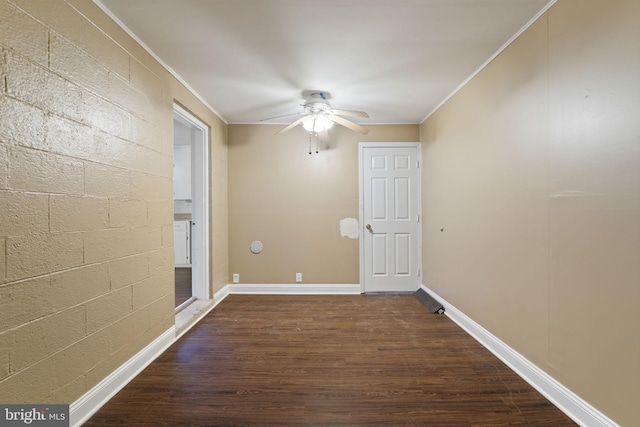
317 116
317 123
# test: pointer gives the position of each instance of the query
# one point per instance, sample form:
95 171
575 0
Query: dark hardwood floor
360 360
183 285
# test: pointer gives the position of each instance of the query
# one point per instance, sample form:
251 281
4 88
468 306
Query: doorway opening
190 208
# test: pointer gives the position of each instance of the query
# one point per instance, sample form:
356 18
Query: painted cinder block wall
533 172
86 245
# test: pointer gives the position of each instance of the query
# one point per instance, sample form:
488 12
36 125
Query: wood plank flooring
352 360
183 285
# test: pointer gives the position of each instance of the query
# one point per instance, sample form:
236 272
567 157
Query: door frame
200 201
361 148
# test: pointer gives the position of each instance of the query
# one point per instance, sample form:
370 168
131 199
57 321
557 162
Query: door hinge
418 272
418 164
418 218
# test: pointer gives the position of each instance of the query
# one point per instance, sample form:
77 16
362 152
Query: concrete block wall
86 210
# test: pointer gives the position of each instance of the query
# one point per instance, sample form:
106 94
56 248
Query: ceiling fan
318 116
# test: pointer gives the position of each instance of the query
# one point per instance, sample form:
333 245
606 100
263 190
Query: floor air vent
428 301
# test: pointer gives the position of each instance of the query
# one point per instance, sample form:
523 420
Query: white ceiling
395 59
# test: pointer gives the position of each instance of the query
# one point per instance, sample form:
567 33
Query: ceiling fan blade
351 113
291 126
284 115
346 123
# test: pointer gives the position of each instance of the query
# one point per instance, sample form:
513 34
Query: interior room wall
293 202
532 170
86 243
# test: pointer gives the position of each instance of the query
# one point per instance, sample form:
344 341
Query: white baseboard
82 409
567 401
221 294
294 289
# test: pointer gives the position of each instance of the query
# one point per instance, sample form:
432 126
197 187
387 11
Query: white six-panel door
390 250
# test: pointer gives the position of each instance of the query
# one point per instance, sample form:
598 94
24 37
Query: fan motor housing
317 106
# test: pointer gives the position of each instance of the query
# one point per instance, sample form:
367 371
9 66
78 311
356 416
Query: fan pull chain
317 139
309 143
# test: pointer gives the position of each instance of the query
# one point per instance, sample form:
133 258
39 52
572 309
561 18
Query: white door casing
390 258
200 201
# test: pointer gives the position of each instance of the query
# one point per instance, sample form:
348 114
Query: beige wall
293 202
86 244
533 170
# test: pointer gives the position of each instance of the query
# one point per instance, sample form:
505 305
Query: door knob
368 226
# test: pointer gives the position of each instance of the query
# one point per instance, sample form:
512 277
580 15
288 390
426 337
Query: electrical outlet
298 277
236 278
